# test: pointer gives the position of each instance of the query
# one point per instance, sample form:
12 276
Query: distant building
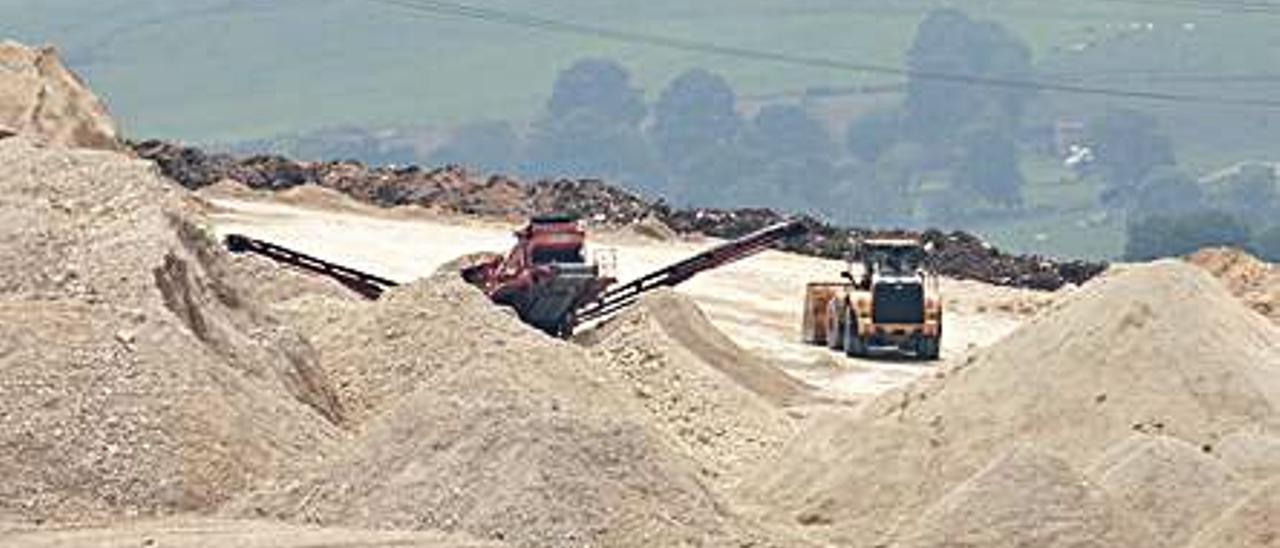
1068 137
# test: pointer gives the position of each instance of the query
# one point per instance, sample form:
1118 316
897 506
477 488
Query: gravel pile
1159 349
42 100
135 376
469 421
1253 280
1173 486
719 405
1027 498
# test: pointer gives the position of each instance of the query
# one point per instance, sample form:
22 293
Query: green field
231 70
228 71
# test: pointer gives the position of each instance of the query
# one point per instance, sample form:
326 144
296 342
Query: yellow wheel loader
890 300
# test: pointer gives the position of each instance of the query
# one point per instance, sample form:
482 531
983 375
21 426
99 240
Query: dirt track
756 302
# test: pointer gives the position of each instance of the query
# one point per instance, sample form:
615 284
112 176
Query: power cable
437 8
1236 6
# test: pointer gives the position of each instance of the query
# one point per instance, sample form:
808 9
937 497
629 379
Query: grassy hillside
229 70
239 71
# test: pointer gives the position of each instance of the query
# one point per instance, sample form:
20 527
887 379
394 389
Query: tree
697 111
601 86
949 42
491 146
1166 191
695 129
1252 193
1127 146
1174 235
1267 244
585 144
873 133
788 131
989 167
790 154
884 193
592 128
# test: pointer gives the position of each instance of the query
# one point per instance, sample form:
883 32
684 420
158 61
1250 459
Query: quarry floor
757 302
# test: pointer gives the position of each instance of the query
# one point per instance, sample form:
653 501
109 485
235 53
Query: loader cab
885 259
891 258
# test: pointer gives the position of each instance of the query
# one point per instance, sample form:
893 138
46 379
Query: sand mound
230 189
720 406
681 320
650 228
1175 487
1252 453
1026 498
41 99
135 376
315 196
1247 277
474 422
203 533
1254 523
1160 348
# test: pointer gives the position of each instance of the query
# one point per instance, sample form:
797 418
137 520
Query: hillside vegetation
231 70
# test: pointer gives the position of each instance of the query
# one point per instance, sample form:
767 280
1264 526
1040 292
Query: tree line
947 151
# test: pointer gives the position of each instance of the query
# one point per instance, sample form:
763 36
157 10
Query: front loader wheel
855 345
835 324
929 348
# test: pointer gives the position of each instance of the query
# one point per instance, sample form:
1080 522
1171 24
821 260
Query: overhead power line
436 8
1214 6
1222 6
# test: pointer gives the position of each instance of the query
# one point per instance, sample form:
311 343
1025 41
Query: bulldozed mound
680 319
1255 523
1026 498
41 99
1172 485
134 376
204 533
474 422
1159 348
1247 277
721 405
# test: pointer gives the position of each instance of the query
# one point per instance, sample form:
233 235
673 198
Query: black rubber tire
929 349
855 346
835 324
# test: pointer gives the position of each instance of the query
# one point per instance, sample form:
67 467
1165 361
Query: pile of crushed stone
470 421
1026 497
40 99
1159 348
1168 483
1252 523
1253 280
145 373
135 377
1251 452
721 405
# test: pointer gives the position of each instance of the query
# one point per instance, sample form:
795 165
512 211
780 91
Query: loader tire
835 324
928 348
855 345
